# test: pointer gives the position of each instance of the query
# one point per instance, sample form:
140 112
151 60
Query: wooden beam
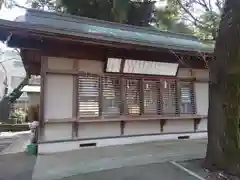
60 120
141 96
122 65
60 72
162 123
75 100
122 96
42 97
100 96
177 98
141 118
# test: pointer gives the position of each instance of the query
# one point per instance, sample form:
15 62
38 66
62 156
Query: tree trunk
223 149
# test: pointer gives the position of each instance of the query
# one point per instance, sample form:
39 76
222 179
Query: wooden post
44 65
141 96
75 101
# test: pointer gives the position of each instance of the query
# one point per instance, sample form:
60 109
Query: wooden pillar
75 101
44 65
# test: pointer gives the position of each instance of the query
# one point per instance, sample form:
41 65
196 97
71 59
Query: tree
167 18
123 11
138 13
202 15
223 150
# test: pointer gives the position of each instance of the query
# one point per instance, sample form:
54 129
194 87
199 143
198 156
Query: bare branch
204 58
179 58
219 5
203 4
200 26
195 20
210 5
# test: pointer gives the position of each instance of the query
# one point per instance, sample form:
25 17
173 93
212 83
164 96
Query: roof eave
9 27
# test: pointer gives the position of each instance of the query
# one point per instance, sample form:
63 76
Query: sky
11 14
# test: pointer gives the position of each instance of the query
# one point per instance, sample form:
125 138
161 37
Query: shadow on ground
17 166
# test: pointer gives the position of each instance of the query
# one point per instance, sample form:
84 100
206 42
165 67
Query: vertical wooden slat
159 99
122 104
122 65
193 98
44 65
100 96
122 95
141 97
193 93
177 97
75 101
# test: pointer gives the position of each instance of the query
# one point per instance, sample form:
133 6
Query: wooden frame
76 121
122 78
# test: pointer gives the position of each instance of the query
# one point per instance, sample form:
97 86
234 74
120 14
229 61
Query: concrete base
75 145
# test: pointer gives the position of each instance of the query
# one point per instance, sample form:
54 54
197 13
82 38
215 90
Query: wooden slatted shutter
88 96
111 96
132 95
169 97
150 97
186 99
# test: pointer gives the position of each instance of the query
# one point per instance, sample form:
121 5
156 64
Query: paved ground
146 161
115 161
17 166
13 142
155 171
4 143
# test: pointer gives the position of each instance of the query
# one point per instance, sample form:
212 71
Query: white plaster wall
184 72
99 129
91 66
179 125
201 74
34 98
57 131
60 63
201 95
202 125
58 96
140 127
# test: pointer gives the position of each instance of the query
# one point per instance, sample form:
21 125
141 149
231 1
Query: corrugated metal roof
108 31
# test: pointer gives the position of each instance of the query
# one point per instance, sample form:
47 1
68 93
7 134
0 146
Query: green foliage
168 19
18 116
123 11
202 16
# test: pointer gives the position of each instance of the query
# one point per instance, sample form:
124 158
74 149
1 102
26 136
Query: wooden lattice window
186 99
169 98
111 101
132 97
88 96
151 97
112 96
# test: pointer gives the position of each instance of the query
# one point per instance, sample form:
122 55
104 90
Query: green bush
18 116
